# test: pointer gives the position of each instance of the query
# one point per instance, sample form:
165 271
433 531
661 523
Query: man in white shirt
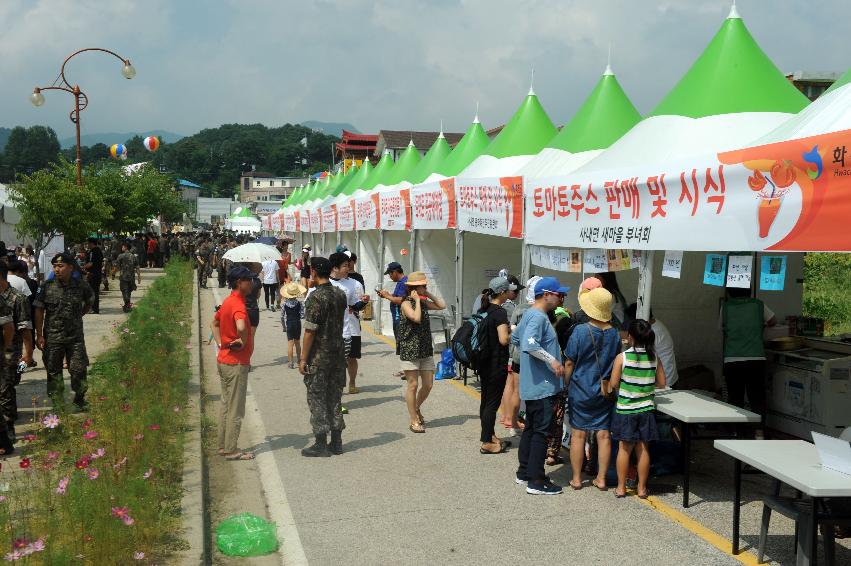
664 344
356 301
269 278
17 282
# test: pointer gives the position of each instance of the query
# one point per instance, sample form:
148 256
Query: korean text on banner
366 212
433 205
491 206
785 196
772 275
346 216
315 221
395 209
329 218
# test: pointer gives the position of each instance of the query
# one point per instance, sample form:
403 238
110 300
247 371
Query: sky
377 64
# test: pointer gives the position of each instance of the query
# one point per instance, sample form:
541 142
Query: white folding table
691 407
793 462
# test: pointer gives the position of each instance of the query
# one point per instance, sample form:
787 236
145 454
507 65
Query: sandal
643 495
239 456
417 427
598 486
554 460
575 487
502 450
620 495
420 417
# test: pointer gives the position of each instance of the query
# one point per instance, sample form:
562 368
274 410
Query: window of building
258 184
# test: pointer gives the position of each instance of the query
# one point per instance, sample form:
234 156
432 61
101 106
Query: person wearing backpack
416 350
493 361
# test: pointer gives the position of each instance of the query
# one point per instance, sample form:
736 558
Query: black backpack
470 340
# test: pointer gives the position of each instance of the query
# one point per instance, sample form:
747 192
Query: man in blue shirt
541 371
397 275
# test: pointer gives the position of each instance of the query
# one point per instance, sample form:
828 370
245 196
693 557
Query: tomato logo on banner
433 205
491 206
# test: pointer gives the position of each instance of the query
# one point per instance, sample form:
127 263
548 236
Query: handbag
605 389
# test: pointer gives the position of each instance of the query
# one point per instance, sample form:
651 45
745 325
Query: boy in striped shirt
636 374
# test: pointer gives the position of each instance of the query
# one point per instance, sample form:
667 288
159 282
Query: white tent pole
459 275
645 284
412 250
380 270
525 264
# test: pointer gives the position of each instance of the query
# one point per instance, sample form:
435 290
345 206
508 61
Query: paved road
399 498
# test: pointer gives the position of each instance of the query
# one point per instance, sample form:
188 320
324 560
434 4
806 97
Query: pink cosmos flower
139 555
93 473
2 498
125 407
30 438
128 520
38 545
12 556
90 434
154 427
82 463
99 453
50 421
103 398
88 423
52 455
139 436
63 485
24 463
176 409
148 474
20 543
125 330
120 512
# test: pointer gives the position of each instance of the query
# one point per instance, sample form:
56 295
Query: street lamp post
81 101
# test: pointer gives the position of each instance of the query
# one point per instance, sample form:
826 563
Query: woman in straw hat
291 314
415 346
589 355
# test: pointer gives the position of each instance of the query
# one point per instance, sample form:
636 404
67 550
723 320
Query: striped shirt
638 383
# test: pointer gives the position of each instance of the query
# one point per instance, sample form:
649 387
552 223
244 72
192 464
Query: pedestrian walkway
395 497
99 330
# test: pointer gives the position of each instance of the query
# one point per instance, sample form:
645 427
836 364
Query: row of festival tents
683 177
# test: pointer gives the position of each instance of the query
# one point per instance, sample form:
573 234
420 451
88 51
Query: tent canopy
471 146
380 174
408 161
359 179
432 162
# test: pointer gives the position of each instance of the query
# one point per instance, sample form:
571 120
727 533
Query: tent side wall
484 256
435 256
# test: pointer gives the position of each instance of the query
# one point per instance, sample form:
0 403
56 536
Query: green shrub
827 277
105 487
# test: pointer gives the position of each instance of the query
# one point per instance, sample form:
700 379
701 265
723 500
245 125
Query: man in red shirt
233 336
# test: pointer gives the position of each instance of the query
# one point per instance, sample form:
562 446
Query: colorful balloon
152 143
118 151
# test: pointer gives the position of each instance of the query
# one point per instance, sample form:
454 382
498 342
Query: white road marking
289 542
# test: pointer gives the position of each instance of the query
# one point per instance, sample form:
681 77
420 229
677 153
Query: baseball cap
241 272
341 248
549 285
393 266
515 283
499 285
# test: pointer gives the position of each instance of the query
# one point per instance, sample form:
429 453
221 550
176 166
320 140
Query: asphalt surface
395 497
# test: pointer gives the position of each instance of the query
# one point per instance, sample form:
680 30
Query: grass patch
105 487
826 293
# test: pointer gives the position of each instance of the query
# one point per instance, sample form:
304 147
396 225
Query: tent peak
608 72
734 13
532 83
440 136
476 119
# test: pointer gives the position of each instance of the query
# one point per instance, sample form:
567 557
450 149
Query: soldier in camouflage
128 271
323 363
202 256
60 306
17 346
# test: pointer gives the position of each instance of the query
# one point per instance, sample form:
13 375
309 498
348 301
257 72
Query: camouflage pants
127 287
54 356
203 273
8 399
324 394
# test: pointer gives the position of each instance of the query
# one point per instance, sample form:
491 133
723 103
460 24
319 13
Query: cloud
383 64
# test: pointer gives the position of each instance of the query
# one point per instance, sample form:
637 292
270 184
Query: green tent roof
408 161
471 146
359 178
732 75
843 80
292 200
605 116
526 133
347 178
380 173
244 212
432 160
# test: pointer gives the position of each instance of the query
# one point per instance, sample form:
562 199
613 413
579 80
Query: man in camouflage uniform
223 265
108 246
128 271
17 346
60 306
323 363
202 256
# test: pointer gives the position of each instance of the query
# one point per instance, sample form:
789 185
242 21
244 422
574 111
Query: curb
192 506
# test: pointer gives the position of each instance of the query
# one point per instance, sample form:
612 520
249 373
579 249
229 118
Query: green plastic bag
245 534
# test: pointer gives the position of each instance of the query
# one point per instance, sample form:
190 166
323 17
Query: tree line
213 158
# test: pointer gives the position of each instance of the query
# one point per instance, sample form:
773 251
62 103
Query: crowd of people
580 380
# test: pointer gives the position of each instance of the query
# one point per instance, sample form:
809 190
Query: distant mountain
330 128
110 138
4 137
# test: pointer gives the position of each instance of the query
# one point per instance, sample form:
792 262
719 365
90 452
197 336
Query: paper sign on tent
715 270
595 261
772 275
739 271
672 265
